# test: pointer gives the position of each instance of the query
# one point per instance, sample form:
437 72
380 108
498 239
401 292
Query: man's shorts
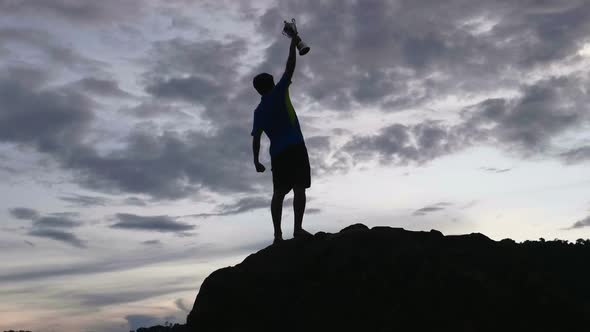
290 168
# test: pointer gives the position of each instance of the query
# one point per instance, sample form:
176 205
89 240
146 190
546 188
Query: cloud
150 223
401 144
100 87
135 201
152 243
155 108
205 73
106 298
526 124
240 206
313 211
51 226
466 51
470 47
85 201
57 122
189 88
576 155
50 48
55 222
50 120
74 11
581 223
431 208
58 235
24 213
246 205
181 305
495 170
125 261
469 205
168 166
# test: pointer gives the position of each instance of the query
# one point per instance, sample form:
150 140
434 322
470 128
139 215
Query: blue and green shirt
276 116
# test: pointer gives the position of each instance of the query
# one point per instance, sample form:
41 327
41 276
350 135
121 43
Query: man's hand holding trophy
290 30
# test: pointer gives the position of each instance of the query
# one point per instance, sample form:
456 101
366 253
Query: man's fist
259 167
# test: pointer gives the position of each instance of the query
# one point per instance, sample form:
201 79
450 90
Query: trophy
290 30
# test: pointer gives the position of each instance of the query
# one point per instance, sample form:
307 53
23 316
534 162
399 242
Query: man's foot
302 234
278 239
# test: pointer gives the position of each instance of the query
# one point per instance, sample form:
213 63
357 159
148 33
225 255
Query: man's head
263 83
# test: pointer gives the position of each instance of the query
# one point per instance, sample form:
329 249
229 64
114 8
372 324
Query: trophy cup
290 30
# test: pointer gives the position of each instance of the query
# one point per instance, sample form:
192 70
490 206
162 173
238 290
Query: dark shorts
290 168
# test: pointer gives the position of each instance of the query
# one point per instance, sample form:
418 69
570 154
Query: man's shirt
276 116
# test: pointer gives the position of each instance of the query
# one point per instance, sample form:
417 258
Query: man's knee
280 192
299 190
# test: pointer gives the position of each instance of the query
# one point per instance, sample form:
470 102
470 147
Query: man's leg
299 199
276 211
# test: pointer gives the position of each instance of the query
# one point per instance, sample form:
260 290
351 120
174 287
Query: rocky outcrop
390 279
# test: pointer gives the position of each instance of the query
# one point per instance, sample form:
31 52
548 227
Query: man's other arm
292 58
256 151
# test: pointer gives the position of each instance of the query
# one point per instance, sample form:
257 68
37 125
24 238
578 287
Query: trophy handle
294 25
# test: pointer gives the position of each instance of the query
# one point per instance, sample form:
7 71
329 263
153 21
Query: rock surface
390 279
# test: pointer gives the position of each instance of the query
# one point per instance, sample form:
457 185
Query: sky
126 170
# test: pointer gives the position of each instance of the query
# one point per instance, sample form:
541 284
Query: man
276 117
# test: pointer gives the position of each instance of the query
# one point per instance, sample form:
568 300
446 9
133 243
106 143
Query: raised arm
292 57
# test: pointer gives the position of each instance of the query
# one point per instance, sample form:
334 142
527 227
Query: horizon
125 149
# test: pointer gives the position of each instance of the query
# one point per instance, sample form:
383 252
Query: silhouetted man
275 116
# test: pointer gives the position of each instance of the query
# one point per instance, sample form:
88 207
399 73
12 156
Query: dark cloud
401 144
313 211
55 222
135 201
150 223
65 214
576 155
50 226
210 59
24 213
204 73
100 87
364 57
50 120
152 243
85 201
431 208
528 123
581 223
169 166
58 235
74 11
